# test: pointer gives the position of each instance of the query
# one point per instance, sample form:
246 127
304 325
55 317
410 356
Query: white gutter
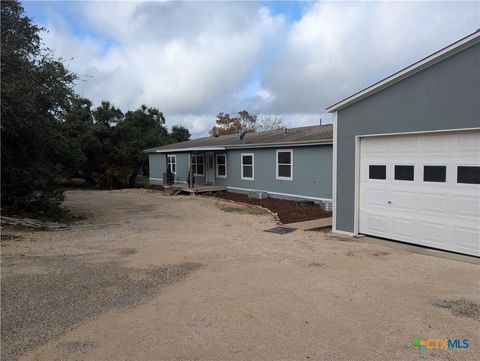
193 149
440 55
280 144
302 143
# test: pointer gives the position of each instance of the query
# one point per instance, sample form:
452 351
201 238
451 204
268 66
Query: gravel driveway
144 276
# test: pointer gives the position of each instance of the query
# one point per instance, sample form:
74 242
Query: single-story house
406 156
294 163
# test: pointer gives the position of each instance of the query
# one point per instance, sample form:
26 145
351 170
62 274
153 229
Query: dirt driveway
151 277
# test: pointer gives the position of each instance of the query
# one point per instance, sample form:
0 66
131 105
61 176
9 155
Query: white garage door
422 189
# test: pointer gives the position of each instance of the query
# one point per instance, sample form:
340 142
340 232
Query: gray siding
157 164
444 96
312 171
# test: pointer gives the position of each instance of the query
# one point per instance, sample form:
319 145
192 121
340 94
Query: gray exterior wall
443 96
312 171
158 165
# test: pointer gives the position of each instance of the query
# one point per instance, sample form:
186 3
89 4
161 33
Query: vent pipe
242 135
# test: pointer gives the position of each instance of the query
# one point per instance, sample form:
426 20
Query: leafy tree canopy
35 90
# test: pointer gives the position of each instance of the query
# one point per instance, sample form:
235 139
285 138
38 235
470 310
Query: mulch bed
287 211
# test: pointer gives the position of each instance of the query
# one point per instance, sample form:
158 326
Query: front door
210 174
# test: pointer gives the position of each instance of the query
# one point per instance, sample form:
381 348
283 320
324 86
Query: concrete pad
313 224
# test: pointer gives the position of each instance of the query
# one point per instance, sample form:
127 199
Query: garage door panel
467 238
468 144
433 203
376 197
403 228
467 206
405 148
376 223
433 144
403 200
432 234
439 213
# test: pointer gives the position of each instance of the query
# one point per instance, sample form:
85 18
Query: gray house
406 157
291 163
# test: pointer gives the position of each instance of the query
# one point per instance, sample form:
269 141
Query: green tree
36 89
140 129
179 134
107 114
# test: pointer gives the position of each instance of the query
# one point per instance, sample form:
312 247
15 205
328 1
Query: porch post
191 170
166 170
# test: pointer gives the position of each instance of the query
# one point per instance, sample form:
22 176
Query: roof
420 65
311 135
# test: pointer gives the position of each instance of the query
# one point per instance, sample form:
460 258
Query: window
434 173
172 163
247 166
221 166
404 172
197 165
377 171
468 174
284 164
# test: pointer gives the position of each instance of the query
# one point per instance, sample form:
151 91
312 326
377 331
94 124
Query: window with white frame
172 163
247 164
285 164
198 164
221 165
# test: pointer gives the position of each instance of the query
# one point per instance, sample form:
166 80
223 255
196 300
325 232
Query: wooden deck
198 188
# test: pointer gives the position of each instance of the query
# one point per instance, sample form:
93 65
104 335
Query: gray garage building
406 157
294 163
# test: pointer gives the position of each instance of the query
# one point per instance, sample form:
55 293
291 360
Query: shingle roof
292 136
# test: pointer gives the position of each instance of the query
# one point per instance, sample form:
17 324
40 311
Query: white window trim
253 165
291 163
169 163
195 156
216 165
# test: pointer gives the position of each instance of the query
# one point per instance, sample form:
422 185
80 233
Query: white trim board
420 65
195 156
253 166
192 149
216 165
298 143
278 177
281 194
417 132
157 179
334 172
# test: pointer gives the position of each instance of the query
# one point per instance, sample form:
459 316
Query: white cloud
193 60
338 48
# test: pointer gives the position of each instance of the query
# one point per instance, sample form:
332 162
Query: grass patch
241 210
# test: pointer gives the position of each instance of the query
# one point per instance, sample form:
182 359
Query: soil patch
460 308
39 306
288 211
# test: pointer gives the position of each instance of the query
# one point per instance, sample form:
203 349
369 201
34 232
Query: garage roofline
420 65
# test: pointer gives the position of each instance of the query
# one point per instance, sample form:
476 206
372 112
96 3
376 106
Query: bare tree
269 122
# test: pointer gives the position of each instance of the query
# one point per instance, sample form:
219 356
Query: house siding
441 97
157 164
312 172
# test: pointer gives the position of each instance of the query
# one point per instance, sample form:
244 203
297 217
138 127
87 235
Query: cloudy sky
193 60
